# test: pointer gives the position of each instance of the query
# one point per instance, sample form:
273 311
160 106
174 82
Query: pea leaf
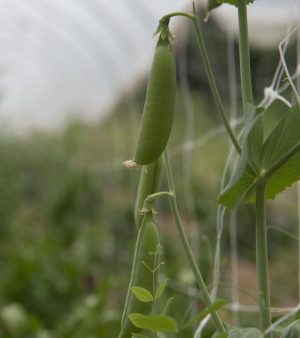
240 183
153 323
283 137
142 294
233 2
220 335
217 305
167 305
249 163
249 332
293 330
160 289
258 156
212 4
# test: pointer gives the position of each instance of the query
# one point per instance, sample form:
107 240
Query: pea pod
148 184
147 241
159 105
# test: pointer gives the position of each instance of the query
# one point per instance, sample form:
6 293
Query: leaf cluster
265 158
216 3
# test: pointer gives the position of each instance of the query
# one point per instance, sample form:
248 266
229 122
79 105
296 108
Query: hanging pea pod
148 184
159 106
147 242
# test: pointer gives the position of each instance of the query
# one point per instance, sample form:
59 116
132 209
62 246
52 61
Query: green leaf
220 335
293 330
153 323
160 289
142 294
284 177
137 335
233 2
212 4
242 180
249 332
250 162
217 305
254 144
283 137
258 156
168 303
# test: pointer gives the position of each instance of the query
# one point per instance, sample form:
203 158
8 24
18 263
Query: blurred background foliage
66 211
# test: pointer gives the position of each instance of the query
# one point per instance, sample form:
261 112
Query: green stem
262 257
212 82
245 70
186 246
149 200
292 152
166 18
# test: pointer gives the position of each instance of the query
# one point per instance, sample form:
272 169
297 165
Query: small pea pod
148 184
147 241
159 105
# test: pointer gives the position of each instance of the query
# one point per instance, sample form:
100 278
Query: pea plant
266 163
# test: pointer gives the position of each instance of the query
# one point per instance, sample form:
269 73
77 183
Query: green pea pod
159 105
147 241
148 184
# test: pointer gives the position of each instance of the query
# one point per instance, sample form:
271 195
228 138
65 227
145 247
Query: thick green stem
148 184
245 70
262 257
212 82
187 248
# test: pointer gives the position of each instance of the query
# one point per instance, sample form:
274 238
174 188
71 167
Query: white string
271 94
281 52
282 319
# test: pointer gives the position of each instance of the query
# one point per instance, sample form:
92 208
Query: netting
273 92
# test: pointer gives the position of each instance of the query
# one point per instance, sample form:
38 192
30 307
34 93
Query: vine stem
245 69
262 257
212 81
186 246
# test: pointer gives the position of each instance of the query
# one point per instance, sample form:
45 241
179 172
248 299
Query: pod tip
130 164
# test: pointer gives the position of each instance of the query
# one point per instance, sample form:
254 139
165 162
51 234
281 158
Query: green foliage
137 335
153 323
234 2
142 294
259 157
217 305
213 4
216 3
159 291
245 333
292 331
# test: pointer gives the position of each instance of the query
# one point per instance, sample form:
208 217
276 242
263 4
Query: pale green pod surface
159 105
148 184
147 241
292 331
